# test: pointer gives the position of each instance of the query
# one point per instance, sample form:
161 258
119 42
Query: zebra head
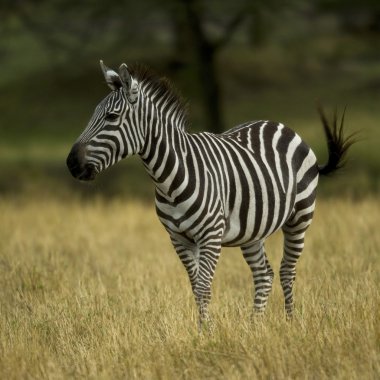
112 133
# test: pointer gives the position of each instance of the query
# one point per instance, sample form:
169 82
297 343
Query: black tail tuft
337 144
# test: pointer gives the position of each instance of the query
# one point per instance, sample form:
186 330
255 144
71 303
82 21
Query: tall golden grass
94 290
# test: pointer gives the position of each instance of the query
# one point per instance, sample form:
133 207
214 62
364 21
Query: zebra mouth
83 173
88 173
78 166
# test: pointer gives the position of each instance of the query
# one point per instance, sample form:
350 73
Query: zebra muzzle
77 165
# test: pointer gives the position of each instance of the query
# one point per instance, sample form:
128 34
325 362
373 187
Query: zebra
232 189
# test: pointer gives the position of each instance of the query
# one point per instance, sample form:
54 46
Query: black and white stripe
231 189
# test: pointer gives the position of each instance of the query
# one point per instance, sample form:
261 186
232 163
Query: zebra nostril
76 159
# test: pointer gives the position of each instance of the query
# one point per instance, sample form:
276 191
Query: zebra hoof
206 326
289 313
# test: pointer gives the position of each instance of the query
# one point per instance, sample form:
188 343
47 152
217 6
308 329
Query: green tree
73 31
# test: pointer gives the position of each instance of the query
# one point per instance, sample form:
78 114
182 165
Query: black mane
161 88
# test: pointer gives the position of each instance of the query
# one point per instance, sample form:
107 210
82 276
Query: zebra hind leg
293 246
262 273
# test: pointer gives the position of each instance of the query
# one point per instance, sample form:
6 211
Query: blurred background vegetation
234 62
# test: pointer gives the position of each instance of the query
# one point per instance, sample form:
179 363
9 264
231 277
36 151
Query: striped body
231 189
245 181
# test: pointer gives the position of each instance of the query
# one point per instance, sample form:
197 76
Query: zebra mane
163 90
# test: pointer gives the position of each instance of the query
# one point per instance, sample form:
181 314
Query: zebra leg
190 260
293 245
208 258
262 274
200 265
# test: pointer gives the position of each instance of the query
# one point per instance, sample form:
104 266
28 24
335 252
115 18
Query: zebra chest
176 218
173 214
186 220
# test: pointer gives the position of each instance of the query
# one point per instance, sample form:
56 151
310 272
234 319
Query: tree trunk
205 63
209 85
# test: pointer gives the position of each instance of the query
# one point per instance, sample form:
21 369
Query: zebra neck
164 158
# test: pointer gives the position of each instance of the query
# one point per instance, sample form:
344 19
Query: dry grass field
94 290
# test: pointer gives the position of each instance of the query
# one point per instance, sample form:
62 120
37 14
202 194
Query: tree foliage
192 33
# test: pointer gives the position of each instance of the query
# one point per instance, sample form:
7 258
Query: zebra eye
111 116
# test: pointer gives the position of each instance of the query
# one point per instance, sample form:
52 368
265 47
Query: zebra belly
260 218
229 237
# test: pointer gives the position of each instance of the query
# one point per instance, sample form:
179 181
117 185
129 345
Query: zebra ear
129 83
112 78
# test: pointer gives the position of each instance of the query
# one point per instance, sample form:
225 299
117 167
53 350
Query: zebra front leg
208 258
189 256
200 264
262 274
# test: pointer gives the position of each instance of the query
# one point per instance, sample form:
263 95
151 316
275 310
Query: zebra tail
337 143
